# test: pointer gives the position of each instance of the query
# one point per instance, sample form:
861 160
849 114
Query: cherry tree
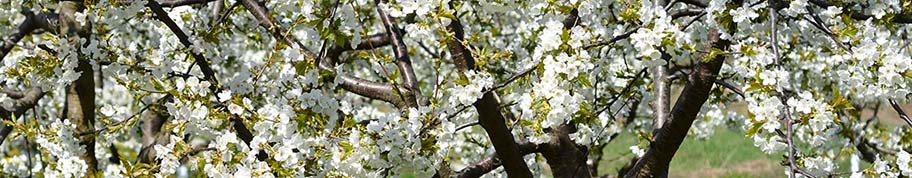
435 88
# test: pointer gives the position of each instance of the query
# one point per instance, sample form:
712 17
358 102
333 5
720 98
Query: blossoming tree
437 88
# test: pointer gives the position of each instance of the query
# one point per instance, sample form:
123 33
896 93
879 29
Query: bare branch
613 39
902 114
730 86
686 13
698 3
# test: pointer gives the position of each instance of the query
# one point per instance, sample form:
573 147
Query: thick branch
564 156
33 23
153 120
666 142
661 87
20 106
492 162
80 95
489 116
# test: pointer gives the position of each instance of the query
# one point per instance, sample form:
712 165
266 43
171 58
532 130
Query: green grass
728 153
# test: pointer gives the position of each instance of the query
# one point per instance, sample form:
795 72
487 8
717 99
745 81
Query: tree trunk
565 158
80 95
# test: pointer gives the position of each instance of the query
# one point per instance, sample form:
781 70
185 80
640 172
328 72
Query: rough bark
153 120
80 94
666 142
565 157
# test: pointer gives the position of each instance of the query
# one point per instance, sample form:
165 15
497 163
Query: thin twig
902 114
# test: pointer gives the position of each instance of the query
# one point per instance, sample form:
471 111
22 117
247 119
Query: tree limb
902 114
492 162
403 61
20 106
667 140
489 116
80 95
33 23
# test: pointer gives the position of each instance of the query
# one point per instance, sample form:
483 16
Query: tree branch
33 23
697 3
902 114
489 116
366 88
661 87
20 106
80 95
492 162
240 128
666 142
402 59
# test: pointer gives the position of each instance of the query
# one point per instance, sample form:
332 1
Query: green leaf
584 80
754 128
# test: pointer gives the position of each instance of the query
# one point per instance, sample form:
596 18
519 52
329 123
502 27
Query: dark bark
489 116
33 23
667 140
492 162
565 157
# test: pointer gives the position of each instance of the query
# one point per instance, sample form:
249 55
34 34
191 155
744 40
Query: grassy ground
726 154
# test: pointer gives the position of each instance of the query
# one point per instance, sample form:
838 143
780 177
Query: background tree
434 88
